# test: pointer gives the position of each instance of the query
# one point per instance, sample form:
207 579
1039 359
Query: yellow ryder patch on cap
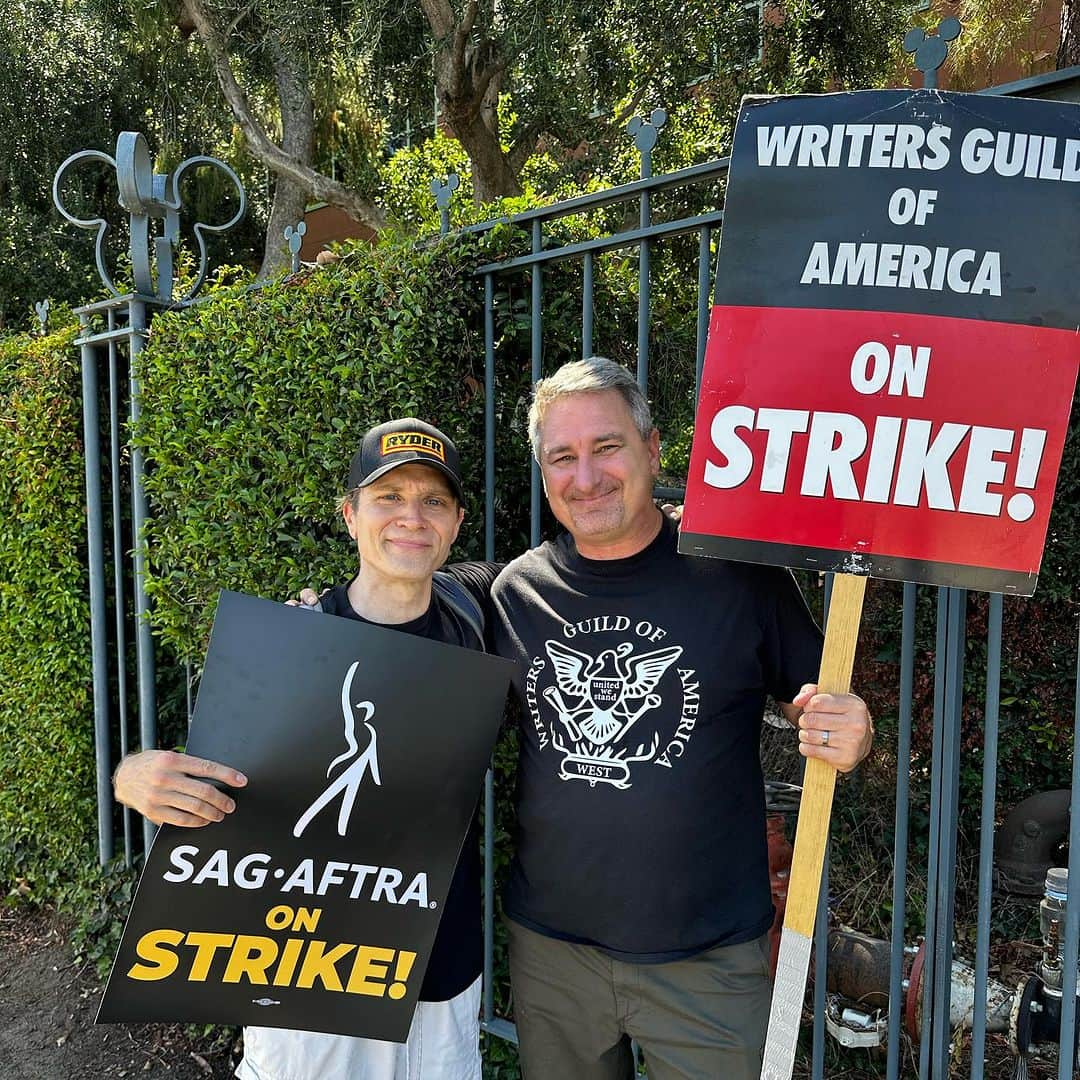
413 440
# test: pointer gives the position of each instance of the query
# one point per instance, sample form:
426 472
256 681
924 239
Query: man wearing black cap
403 511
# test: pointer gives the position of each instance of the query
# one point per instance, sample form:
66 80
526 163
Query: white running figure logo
348 783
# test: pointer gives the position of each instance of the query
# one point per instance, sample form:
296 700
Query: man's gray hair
590 376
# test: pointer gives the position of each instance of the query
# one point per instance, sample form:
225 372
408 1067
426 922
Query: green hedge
47 809
254 402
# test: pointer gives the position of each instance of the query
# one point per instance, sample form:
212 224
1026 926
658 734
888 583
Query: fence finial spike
148 197
294 234
42 310
931 49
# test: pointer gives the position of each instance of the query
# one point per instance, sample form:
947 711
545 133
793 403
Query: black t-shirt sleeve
792 638
477 577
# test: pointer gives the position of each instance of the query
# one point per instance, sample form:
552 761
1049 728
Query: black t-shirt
641 808
457 955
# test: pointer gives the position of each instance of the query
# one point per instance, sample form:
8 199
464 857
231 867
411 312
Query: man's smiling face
404 523
598 472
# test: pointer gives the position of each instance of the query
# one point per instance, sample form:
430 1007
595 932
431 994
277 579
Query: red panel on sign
909 436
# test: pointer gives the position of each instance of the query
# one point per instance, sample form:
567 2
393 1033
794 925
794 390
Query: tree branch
440 17
524 147
461 34
483 80
321 187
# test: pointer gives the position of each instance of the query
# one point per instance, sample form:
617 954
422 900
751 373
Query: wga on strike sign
893 351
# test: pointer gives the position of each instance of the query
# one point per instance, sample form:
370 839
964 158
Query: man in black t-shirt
403 510
639 893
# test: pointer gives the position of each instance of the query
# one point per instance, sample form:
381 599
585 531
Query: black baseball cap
402 442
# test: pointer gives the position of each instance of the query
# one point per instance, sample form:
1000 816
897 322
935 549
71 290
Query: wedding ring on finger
825 738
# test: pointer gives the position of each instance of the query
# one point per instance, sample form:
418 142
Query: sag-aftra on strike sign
315 904
893 348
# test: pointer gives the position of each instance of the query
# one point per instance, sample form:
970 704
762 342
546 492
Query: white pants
443 1044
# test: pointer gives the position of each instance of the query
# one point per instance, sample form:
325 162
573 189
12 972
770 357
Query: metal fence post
645 133
118 567
144 641
148 198
536 325
986 833
900 844
95 540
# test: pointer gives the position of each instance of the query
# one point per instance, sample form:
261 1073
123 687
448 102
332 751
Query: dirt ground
47 1009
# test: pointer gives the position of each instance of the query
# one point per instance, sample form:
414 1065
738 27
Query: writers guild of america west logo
601 709
348 782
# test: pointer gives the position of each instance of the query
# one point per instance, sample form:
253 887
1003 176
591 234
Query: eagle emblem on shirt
598 700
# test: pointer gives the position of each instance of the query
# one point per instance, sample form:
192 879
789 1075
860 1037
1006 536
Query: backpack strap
460 601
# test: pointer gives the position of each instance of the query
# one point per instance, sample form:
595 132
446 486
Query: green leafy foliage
47 815
254 403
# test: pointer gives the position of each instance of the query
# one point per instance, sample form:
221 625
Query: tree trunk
298 141
1069 49
297 172
468 76
477 129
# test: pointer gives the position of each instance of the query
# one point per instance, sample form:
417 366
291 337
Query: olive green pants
577 1010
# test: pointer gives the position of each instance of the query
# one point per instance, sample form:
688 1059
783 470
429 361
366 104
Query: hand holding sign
165 786
833 727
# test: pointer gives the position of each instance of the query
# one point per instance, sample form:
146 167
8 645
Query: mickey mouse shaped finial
645 133
443 190
930 50
42 309
153 204
294 234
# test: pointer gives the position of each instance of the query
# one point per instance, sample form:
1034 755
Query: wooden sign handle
811 836
815 806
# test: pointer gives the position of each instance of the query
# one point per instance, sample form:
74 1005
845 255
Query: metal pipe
1029 841
900 843
537 346
946 882
489 418
860 971
986 833
704 299
95 543
1072 912
821 974
932 869
587 306
118 570
644 282
144 642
